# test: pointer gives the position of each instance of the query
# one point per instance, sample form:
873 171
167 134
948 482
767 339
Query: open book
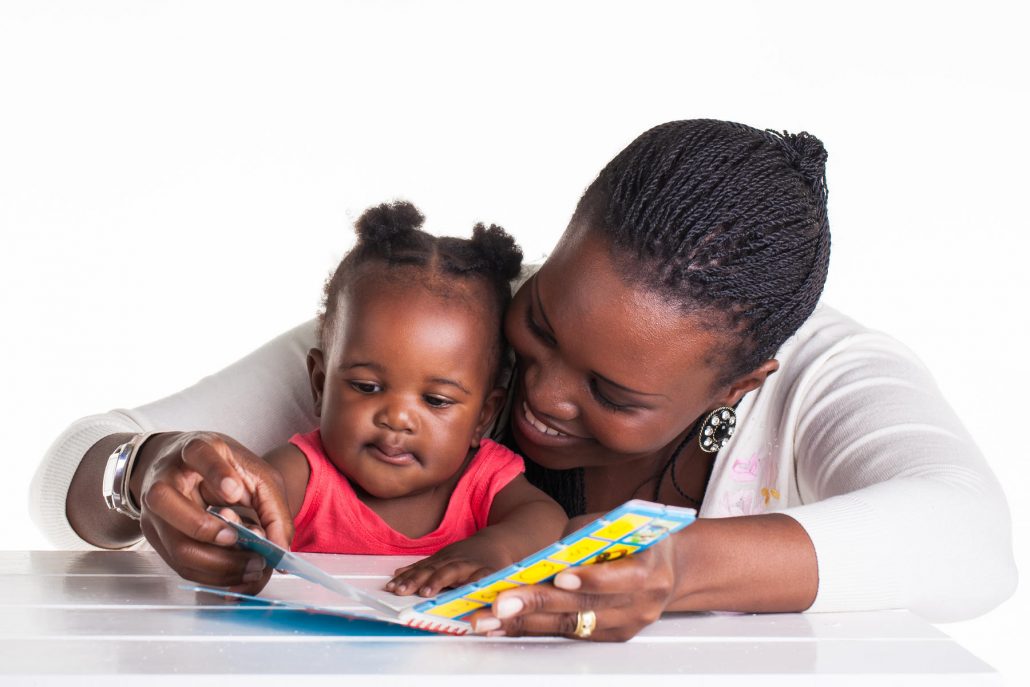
629 529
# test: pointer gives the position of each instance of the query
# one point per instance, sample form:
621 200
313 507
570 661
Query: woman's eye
439 401
537 330
606 402
365 387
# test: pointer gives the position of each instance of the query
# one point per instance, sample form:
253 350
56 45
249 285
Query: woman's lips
534 430
391 455
538 424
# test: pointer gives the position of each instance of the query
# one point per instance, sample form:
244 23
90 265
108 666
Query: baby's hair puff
389 228
391 234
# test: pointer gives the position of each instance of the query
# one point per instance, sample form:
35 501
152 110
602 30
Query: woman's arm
260 401
762 563
900 505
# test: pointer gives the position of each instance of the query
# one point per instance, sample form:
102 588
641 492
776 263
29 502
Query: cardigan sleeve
900 505
260 400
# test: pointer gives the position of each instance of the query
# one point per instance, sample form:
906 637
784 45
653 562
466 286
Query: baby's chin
374 475
379 483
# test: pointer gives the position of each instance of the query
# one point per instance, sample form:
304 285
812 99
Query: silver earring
717 429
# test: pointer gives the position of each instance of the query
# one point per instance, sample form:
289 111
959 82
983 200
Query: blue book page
281 559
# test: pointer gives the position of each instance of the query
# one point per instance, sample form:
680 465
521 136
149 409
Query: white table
111 618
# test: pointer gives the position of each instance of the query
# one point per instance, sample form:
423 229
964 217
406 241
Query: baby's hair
727 221
391 235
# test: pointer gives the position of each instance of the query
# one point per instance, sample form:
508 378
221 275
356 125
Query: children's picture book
627 530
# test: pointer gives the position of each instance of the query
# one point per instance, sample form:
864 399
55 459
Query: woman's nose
396 415
549 392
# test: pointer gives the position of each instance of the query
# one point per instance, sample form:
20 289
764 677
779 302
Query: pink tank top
333 519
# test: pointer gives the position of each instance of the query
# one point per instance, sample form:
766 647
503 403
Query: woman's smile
535 431
539 425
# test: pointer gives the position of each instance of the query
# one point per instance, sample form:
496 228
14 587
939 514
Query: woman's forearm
261 399
762 563
85 507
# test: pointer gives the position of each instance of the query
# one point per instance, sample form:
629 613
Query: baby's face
405 384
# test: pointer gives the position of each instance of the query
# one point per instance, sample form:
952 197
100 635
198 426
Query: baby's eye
439 401
365 387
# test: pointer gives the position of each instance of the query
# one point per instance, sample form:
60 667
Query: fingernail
255 565
252 577
505 608
495 633
389 586
567 581
426 591
231 488
487 624
225 537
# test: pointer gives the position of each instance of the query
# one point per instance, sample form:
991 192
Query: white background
176 179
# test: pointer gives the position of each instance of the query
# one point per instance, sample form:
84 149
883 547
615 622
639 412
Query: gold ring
586 621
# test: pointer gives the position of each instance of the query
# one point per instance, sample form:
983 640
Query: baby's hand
460 563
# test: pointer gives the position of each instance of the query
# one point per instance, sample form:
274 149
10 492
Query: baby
406 383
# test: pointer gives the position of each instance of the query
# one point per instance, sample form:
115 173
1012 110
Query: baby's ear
316 376
491 409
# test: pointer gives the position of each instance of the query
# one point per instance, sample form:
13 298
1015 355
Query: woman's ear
316 375
748 382
491 409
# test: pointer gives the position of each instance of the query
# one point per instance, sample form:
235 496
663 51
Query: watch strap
117 472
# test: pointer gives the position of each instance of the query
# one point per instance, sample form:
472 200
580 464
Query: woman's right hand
191 471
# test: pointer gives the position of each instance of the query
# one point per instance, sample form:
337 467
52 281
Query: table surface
115 617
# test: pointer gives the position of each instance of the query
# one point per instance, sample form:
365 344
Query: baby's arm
522 520
294 469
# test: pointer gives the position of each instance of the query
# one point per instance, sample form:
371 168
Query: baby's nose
397 416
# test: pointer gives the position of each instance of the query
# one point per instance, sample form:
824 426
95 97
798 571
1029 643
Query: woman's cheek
620 433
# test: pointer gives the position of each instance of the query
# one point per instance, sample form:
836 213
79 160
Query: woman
680 302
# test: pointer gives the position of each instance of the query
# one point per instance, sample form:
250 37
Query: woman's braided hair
727 221
390 234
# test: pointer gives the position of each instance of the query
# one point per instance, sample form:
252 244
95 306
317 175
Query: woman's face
609 372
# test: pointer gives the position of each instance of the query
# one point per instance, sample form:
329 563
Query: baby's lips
396 455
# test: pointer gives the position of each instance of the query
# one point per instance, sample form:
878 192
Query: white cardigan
851 438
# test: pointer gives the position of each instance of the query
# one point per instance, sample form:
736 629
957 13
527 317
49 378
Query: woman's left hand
625 596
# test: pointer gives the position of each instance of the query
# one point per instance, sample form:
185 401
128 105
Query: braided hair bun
805 153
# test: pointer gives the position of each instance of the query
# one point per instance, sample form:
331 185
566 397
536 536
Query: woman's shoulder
828 333
830 352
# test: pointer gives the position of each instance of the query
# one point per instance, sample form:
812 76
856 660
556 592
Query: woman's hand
753 564
191 471
460 563
626 596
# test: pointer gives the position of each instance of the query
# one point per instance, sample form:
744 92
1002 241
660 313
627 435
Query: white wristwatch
116 476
